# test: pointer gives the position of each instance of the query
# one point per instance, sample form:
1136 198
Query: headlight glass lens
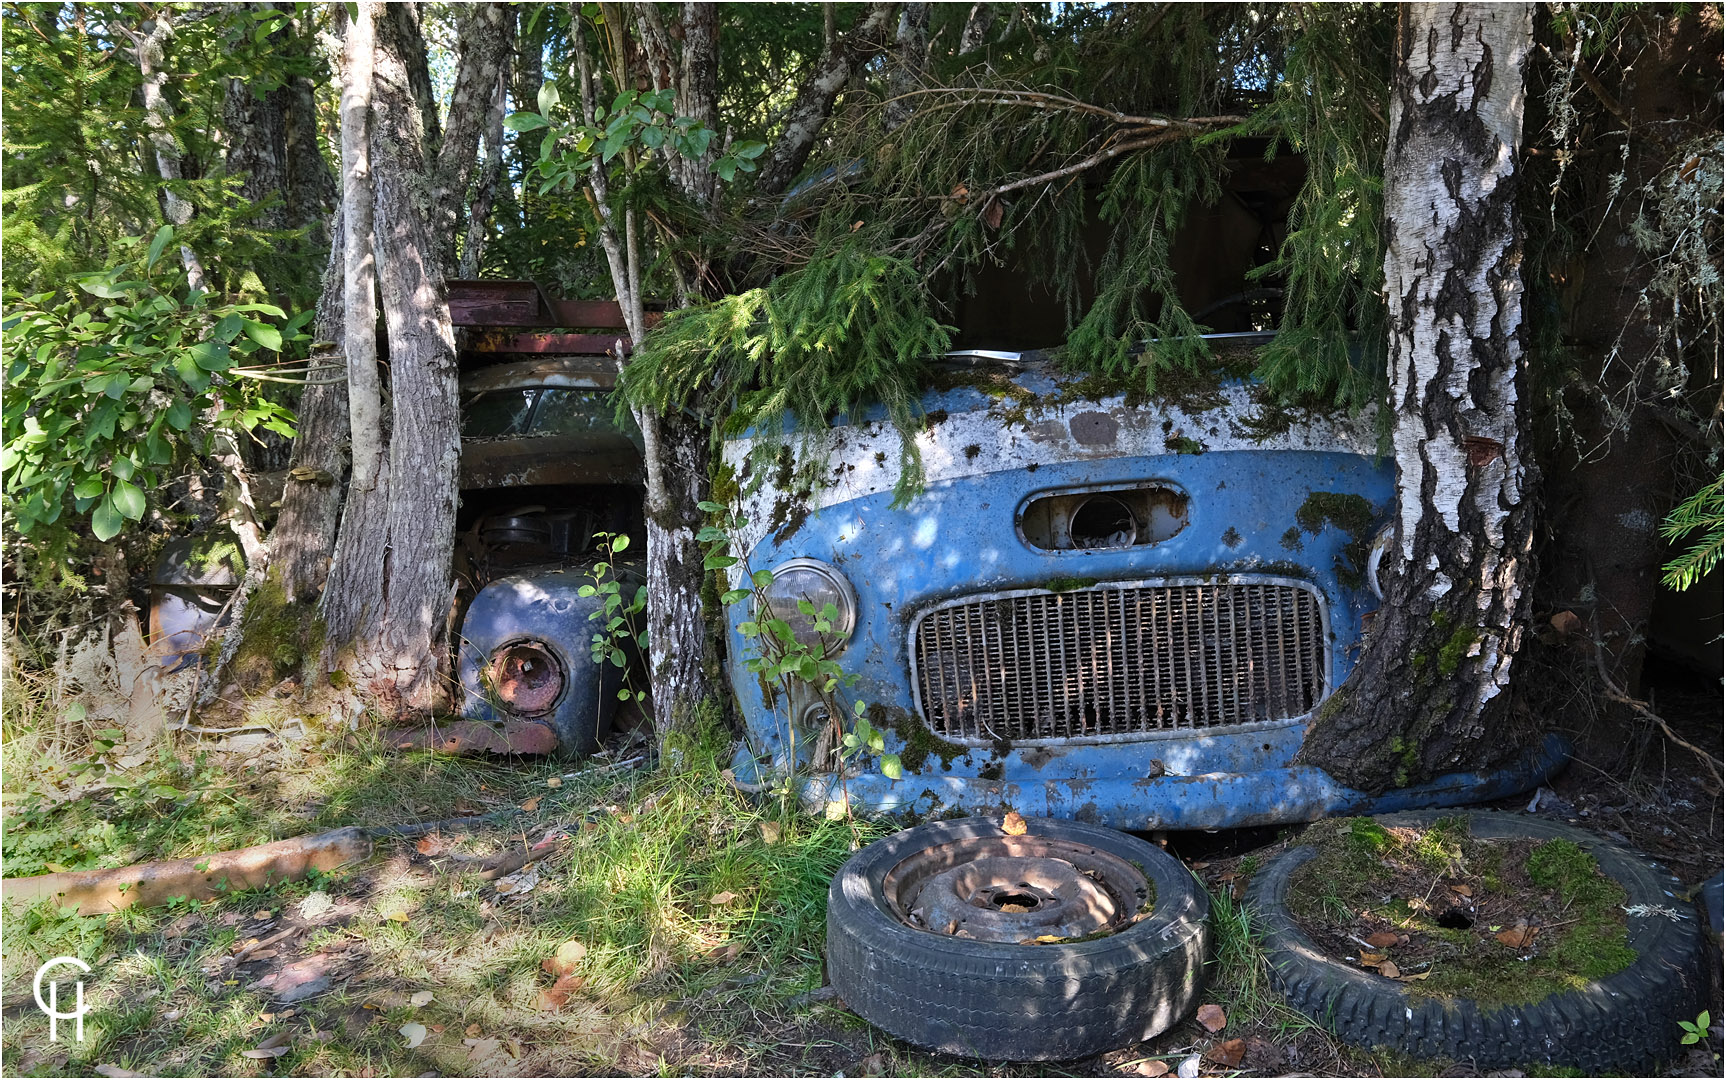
820 585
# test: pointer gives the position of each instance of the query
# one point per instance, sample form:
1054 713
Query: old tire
526 654
1004 1000
1620 1023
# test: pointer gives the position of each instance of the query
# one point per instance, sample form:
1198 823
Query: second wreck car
1120 611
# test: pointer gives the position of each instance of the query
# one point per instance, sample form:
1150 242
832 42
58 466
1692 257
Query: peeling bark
1428 694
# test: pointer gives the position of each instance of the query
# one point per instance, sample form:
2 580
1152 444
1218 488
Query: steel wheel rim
1021 890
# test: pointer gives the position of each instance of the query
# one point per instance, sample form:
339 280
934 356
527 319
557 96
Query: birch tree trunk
359 267
1429 693
148 49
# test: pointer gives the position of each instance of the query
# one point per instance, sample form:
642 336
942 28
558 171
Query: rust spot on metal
527 677
1094 429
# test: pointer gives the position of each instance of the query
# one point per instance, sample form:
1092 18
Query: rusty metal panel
494 341
1120 660
578 372
492 302
589 458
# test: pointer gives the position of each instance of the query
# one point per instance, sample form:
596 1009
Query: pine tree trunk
1428 694
1609 490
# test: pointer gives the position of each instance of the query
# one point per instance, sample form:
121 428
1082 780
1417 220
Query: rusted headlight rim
537 682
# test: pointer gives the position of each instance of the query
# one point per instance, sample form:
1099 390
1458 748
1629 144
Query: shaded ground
699 916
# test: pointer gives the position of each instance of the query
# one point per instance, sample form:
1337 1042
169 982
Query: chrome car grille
1120 660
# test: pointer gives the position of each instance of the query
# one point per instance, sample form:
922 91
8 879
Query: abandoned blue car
1124 612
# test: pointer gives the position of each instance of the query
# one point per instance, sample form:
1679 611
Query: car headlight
1375 558
819 584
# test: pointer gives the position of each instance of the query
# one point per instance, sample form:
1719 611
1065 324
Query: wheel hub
1016 890
527 677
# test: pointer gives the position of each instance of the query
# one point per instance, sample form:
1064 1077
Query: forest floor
670 925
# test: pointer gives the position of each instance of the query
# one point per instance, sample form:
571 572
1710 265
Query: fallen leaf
115 1070
992 214
1189 1068
532 804
873 1065
437 1029
266 1052
480 1049
430 845
1519 936
1462 890
1212 1017
1384 939
1013 824
472 1031
557 995
721 899
1371 959
770 832
725 952
280 1038
1153 1068
1228 1054
565 959
1196 866
1415 978
424 997
554 781
1390 970
413 1033
263 914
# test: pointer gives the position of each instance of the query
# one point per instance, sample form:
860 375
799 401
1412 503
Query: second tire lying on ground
932 936
1622 1022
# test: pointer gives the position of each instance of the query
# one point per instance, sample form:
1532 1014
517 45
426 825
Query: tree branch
486 38
814 102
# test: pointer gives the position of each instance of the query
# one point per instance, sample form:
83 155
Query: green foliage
789 661
848 330
621 632
103 389
1703 512
1695 1032
1331 106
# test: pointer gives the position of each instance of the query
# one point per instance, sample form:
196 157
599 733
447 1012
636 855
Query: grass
674 970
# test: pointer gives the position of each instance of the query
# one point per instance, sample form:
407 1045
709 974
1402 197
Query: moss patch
1068 584
919 741
1502 922
277 638
1352 514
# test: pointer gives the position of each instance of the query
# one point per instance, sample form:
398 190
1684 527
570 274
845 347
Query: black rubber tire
1620 1023
1010 1002
547 610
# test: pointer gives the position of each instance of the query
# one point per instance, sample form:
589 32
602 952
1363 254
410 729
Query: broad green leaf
762 578
619 543
211 356
891 767
726 168
163 236
180 416
525 121
190 373
89 487
718 562
122 468
734 596
264 334
548 97
128 500
614 143
105 521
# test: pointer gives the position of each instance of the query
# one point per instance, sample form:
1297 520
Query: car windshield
498 412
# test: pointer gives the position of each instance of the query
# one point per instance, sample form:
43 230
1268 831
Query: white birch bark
359 305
